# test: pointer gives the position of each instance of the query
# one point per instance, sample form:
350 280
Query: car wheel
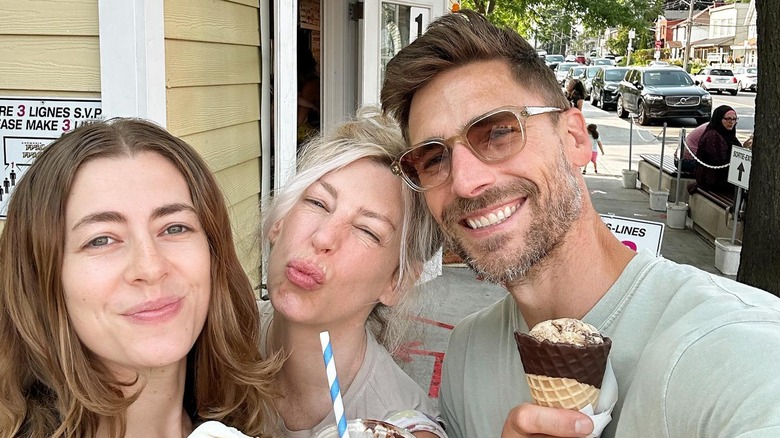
593 100
733 92
739 86
621 112
643 118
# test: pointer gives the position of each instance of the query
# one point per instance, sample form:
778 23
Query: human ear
577 140
393 294
273 233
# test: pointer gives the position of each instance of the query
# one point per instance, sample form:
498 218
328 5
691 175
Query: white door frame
132 59
370 43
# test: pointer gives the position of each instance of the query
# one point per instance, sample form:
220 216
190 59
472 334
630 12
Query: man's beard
550 219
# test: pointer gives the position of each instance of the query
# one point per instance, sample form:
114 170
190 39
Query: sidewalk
457 293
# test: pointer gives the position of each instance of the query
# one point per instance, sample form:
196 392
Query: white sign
739 167
636 234
28 125
418 22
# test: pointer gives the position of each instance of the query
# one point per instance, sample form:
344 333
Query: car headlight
707 97
653 98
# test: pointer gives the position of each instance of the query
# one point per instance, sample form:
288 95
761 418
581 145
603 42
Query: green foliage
553 22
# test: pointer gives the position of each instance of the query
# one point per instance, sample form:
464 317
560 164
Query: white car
603 61
562 70
717 79
658 64
747 78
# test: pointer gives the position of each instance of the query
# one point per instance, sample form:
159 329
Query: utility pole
688 29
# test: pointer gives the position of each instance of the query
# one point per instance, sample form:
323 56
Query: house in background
747 48
727 25
699 31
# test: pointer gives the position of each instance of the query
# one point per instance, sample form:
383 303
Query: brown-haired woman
124 310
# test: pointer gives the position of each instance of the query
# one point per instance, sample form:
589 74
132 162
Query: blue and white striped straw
333 381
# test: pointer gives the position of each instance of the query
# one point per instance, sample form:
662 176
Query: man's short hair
455 40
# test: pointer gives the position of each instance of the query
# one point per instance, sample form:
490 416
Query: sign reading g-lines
28 125
636 234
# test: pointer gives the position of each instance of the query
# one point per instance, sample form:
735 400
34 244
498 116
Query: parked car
747 78
604 86
662 93
571 58
580 58
587 80
562 70
602 61
576 72
552 61
717 79
658 64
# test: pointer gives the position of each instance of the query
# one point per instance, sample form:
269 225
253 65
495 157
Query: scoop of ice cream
567 331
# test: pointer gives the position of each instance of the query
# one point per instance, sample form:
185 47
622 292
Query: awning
674 44
749 44
714 42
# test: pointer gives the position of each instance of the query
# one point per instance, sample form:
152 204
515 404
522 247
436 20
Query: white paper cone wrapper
602 415
215 429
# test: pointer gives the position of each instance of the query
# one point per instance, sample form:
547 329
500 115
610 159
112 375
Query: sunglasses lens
427 165
497 136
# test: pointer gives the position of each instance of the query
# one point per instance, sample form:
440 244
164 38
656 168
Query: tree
760 257
561 15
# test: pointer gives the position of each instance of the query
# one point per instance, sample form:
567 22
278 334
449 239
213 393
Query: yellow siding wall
212 63
49 48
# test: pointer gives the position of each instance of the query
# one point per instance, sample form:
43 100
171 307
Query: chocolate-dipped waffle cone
562 374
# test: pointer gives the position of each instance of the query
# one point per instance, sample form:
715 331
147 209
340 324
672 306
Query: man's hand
532 420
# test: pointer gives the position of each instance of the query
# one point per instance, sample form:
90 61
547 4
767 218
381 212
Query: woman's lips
157 311
304 274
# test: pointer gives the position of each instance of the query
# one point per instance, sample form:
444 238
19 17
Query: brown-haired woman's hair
455 40
50 384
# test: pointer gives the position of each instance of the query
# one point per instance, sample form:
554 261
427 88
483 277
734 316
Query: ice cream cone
564 374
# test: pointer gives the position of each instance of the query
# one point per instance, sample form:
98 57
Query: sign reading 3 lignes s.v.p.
28 125
636 234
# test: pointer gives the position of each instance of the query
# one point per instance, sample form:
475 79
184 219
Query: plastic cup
366 428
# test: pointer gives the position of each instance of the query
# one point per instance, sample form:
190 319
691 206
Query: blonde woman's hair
377 138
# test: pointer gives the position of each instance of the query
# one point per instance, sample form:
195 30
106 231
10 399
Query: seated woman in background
715 151
347 244
124 311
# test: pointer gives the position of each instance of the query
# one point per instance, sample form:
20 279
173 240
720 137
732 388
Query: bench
709 213
648 176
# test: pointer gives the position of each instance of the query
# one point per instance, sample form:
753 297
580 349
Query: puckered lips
492 217
304 274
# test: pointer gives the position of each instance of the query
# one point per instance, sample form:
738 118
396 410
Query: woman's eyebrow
115 216
374 215
103 216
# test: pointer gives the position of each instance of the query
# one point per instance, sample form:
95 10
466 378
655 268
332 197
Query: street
615 133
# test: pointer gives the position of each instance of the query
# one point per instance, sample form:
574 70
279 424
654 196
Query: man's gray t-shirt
694 355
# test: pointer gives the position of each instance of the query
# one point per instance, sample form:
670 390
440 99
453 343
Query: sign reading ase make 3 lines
636 234
739 167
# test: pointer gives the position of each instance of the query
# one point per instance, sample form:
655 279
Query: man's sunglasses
491 137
